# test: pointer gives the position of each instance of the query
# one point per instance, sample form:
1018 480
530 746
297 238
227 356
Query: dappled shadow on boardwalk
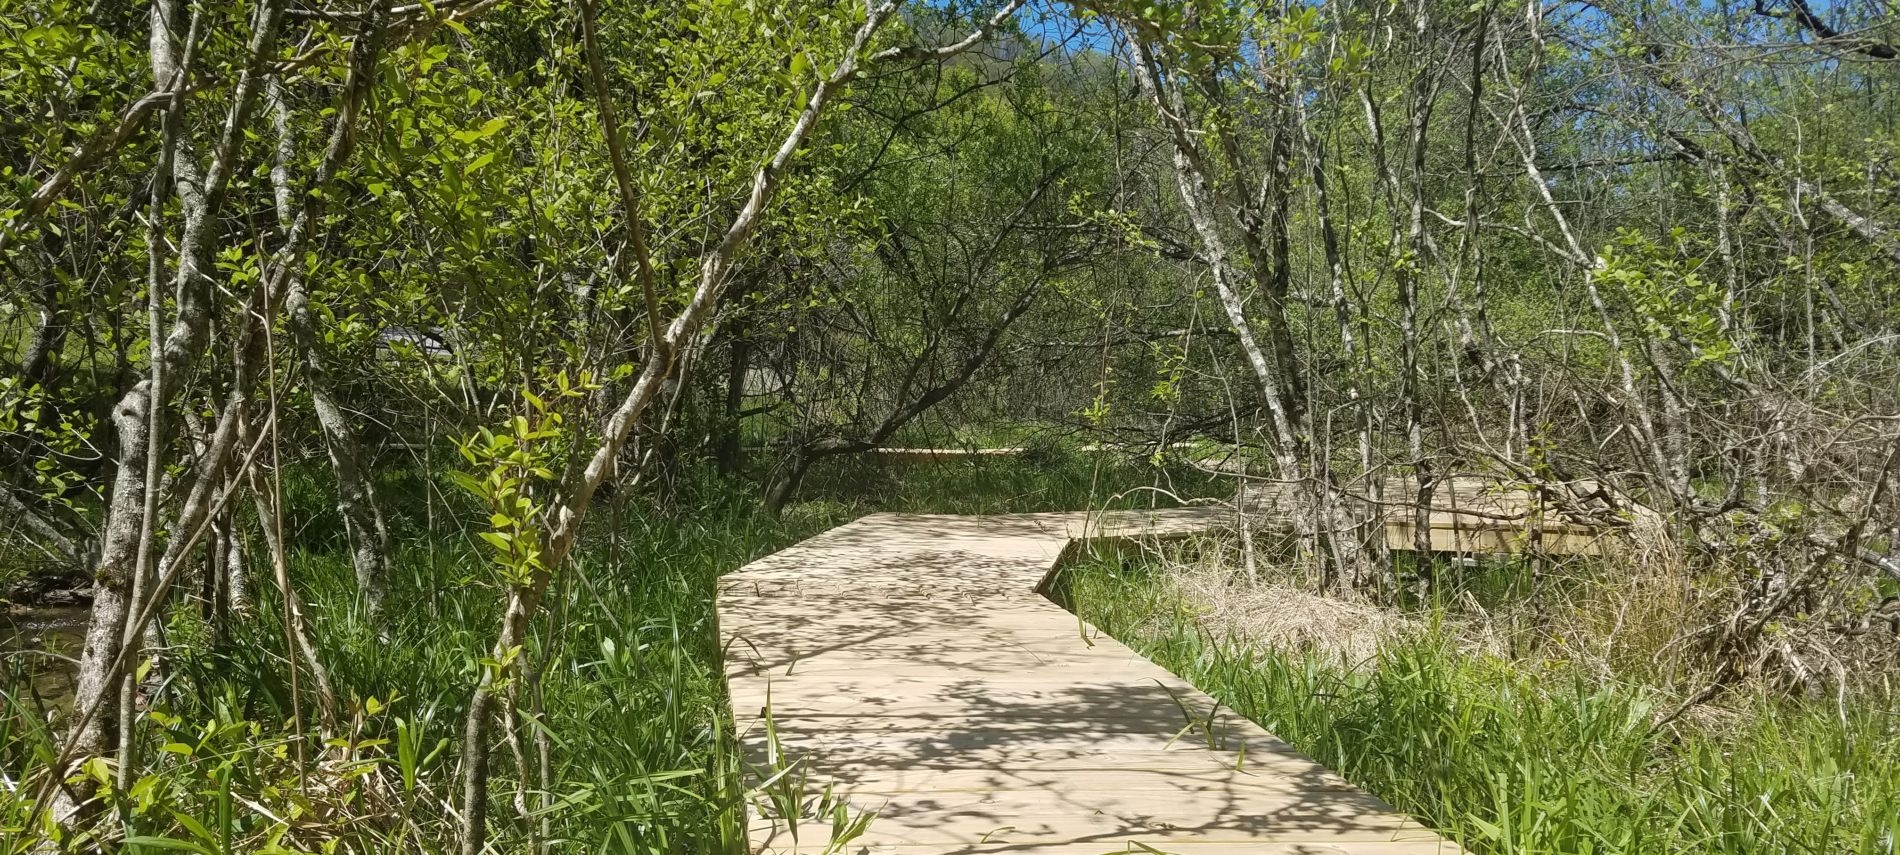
908 660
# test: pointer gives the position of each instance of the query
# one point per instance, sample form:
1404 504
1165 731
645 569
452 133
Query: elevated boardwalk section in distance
1464 514
910 662
1473 514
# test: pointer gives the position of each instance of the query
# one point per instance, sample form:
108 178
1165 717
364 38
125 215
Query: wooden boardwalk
911 661
1476 514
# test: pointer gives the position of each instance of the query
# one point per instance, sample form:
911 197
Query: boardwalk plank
909 662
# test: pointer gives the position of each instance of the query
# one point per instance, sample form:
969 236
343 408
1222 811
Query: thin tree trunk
729 450
583 480
296 627
49 334
236 581
1639 420
1499 361
201 197
1191 175
623 175
356 495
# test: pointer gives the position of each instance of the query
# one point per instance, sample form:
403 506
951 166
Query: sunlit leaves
1671 296
512 473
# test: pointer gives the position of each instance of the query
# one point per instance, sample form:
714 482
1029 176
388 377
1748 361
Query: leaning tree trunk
785 483
586 477
355 494
1325 525
1639 419
1192 176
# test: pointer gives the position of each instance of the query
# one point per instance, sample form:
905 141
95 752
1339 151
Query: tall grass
634 718
1514 757
629 680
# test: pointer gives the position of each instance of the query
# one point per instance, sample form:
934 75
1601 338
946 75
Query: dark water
38 650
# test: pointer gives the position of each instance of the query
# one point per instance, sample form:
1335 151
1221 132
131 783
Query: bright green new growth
1517 755
637 723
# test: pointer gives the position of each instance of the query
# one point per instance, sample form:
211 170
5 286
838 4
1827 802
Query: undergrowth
1520 756
635 721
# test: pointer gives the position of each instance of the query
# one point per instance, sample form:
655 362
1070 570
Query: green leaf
131 843
488 129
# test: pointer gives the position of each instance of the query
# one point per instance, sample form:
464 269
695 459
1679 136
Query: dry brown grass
1270 608
1648 615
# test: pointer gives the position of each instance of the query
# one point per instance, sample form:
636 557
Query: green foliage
511 465
67 76
631 681
1671 297
56 442
1510 757
471 249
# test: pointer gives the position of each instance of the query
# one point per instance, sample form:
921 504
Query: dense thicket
331 328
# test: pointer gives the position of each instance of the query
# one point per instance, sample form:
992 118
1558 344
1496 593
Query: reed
1514 756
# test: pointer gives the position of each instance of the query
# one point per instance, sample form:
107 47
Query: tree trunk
355 494
582 480
784 485
1198 195
729 451
201 197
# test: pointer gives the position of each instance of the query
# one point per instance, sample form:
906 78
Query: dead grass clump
1622 622
1277 615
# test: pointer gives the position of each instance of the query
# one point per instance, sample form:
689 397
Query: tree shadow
910 661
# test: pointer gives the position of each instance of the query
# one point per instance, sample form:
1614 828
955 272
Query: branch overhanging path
912 663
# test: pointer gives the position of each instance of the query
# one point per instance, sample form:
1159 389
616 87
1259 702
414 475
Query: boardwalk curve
913 661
